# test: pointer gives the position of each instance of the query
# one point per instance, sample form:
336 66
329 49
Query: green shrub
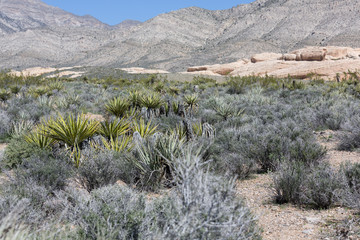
18 150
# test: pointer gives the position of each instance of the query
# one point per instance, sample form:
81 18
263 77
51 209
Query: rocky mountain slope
175 40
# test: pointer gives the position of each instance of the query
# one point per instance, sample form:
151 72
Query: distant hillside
36 34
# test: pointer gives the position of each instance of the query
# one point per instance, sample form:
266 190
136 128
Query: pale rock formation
262 57
324 62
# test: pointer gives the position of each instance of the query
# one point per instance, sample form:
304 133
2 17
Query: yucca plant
72 131
39 138
39 91
159 87
198 129
226 110
118 106
135 98
4 95
22 127
179 131
174 90
111 130
151 100
191 101
72 98
154 160
15 89
144 129
118 144
46 101
175 107
56 85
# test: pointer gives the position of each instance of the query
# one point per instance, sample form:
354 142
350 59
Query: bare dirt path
285 222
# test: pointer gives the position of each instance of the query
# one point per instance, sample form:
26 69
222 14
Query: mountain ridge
186 37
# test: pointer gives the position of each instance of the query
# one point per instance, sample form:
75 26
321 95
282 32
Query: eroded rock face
324 62
262 57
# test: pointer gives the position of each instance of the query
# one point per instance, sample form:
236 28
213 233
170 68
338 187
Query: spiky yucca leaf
39 138
22 127
135 98
56 85
179 131
71 130
39 91
120 144
4 95
191 101
144 129
114 129
198 128
117 106
151 100
226 111
174 90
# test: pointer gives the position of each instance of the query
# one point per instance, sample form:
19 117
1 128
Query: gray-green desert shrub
202 206
288 181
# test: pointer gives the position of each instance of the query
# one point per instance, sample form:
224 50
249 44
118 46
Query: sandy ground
285 222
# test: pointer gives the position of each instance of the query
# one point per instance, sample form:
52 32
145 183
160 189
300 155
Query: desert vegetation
147 158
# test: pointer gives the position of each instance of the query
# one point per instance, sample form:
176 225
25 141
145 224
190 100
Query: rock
337 52
265 57
224 71
289 57
353 55
314 220
314 55
196 69
121 183
310 54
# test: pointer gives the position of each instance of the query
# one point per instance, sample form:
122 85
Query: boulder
223 71
262 57
289 57
196 69
313 55
310 54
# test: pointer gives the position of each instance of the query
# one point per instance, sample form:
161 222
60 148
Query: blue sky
114 11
